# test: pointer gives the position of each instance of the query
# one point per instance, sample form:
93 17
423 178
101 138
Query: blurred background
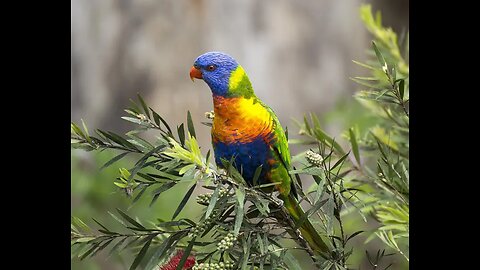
298 55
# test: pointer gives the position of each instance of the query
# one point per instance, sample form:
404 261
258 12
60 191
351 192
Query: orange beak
195 73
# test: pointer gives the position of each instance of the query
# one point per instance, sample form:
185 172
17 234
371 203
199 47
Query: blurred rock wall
297 54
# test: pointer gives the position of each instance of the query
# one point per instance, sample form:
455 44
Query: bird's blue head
215 68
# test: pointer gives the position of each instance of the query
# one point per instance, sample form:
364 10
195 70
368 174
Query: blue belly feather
248 156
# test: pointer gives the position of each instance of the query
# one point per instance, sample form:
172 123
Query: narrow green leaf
156 117
73 228
186 168
134 107
364 83
291 261
101 134
353 235
117 218
213 201
117 245
307 125
77 249
77 221
130 220
262 206
340 161
394 74
183 260
84 239
181 222
256 175
160 252
261 246
130 243
166 125
323 137
105 228
320 189
190 126
232 171
104 245
207 159
184 201
181 134
86 129
124 173
135 139
317 179
365 65
246 252
315 120
310 212
139 194
113 160
145 157
146 177
77 130
378 19
401 88
297 178
107 232
382 94
120 140
120 185
380 57
133 120
132 113
367 78
164 175
353 141
89 251
142 252
117 139
144 105
240 194
268 185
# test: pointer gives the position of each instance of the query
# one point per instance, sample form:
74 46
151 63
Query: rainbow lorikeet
247 129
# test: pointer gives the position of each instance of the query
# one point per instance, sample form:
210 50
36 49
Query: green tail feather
309 233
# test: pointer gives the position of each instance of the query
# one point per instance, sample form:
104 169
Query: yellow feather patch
236 77
253 110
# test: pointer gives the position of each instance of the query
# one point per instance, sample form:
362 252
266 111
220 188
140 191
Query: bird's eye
211 68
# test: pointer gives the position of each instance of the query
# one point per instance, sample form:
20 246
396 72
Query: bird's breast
241 120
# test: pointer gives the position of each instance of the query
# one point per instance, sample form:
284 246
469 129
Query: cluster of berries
205 198
314 158
227 242
202 226
214 266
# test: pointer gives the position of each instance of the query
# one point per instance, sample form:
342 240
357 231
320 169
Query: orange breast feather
240 120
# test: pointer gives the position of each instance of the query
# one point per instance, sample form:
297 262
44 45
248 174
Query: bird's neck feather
239 84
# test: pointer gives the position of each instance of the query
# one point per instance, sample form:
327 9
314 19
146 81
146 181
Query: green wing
280 150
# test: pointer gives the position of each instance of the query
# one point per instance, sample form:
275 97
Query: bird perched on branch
248 130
